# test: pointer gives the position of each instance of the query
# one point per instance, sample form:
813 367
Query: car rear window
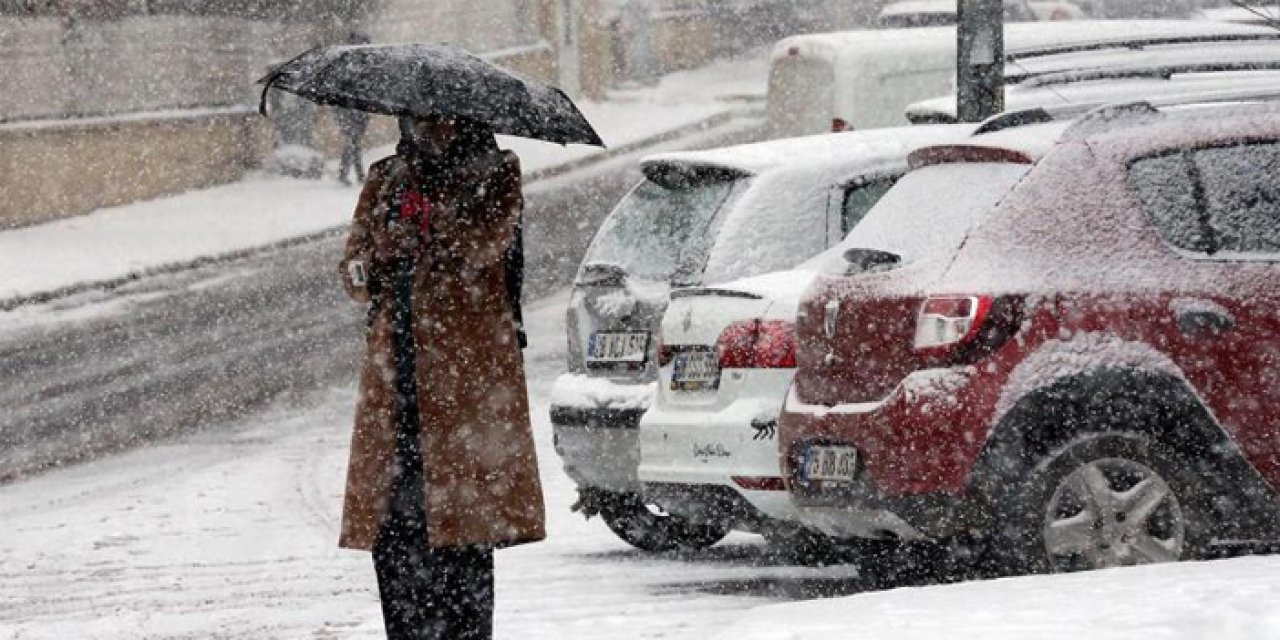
930 209
659 227
1219 199
780 222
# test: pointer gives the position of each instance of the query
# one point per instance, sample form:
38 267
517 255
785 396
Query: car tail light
840 124
760 483
665 353
945 321
758 344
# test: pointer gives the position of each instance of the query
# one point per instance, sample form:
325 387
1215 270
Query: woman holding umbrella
442 467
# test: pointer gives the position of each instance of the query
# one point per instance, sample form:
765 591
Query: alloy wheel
1113 512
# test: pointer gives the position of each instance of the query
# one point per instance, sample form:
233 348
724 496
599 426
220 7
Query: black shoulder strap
514 260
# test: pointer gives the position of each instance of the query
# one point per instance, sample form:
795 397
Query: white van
865 79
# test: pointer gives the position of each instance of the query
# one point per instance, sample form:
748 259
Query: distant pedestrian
352 125
442 467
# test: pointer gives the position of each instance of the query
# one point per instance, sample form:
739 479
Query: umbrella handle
262 103
274 74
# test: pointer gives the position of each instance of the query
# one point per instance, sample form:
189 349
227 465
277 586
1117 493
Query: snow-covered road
230 533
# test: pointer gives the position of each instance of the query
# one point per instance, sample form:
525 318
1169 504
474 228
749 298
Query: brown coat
479 465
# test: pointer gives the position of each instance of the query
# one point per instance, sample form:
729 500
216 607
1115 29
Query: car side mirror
858 260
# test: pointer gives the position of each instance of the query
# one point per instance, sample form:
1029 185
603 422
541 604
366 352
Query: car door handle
1204 322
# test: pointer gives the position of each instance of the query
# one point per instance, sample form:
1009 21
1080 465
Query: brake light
950 320
760 483
840 124
665 353
959 153
758 344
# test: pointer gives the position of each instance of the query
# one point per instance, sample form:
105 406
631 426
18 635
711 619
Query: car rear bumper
857 510
916 449
735 448
599 448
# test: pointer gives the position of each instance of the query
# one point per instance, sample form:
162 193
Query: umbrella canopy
426 79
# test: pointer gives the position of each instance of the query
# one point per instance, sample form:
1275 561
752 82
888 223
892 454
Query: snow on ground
231 533
261 210
1224 600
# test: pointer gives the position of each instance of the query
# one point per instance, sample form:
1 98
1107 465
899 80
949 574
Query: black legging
443 593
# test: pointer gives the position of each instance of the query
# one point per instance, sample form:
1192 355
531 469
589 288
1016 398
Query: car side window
1242 196
1214 199
1168 189
859 198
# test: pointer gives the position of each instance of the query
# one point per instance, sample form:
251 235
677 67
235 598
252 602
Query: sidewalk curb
40 297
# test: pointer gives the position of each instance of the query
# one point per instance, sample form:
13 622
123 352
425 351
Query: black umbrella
425 79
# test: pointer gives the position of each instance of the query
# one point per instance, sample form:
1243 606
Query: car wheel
1106 501
648 528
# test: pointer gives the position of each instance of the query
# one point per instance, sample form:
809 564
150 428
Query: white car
708 443
700 219
726 355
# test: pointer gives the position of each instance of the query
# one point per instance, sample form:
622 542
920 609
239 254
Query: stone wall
54 169
106 107
107 102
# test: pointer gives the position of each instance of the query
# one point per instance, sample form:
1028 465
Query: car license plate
836 463
695 370
617 346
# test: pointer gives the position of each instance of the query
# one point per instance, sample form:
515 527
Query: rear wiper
601 274
858 260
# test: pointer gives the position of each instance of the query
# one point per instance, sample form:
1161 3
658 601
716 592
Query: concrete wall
55 169
81 68
78 122
106 108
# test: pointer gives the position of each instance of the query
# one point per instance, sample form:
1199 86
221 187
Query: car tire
1105 500
647 528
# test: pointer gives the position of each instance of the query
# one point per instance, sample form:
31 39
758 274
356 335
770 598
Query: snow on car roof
1155 56
1187 122
1019 37
1098 92
803 153
908 7
1033 140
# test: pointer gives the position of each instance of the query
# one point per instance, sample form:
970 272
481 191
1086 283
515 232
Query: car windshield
929 210
659 227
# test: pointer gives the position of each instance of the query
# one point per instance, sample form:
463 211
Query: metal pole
979 59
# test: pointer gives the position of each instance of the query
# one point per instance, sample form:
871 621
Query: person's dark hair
473 139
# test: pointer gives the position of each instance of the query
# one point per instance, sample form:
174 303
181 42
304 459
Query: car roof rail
1162 72
1011 119
1119 115
1136 43
1111 116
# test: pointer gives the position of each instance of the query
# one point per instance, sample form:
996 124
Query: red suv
1058 342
